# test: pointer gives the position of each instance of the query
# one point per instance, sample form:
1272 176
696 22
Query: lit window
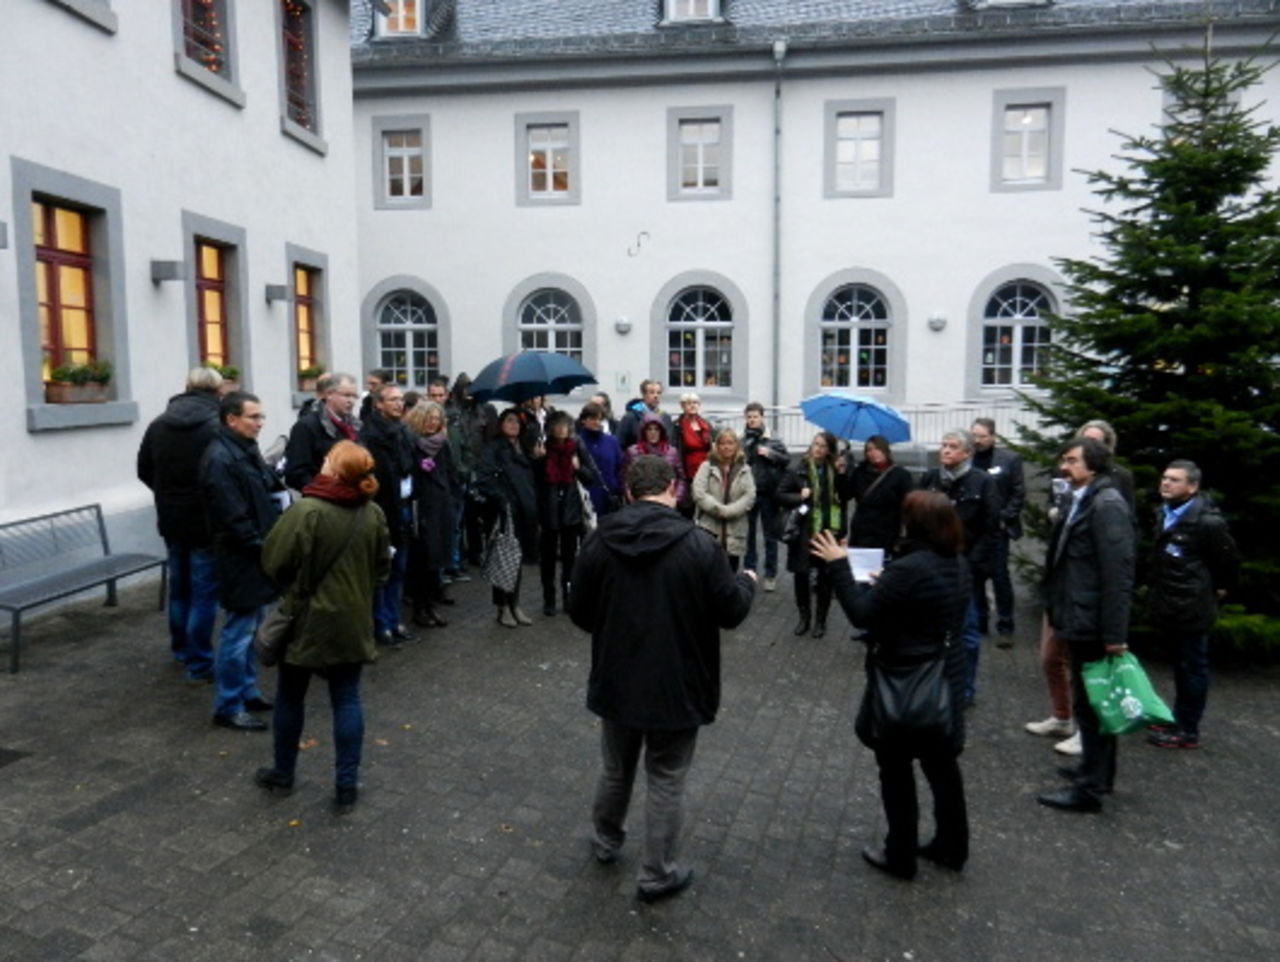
305 287
855 338
548 168
1015 336
1027 134
204 34
211 304
550 320
405 164
700 340
405 19
408 339
64 291
548 160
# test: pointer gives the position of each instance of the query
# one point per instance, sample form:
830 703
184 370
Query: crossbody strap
333 558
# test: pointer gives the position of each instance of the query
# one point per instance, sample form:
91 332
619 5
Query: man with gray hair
974 496
169 464
314 434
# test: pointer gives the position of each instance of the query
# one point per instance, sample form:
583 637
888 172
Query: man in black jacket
768 460
237 487
973 495
384 435
654 679
638 409
1005 467
313 434
169 464
1088 588
1194 562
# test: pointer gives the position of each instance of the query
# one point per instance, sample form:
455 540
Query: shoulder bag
907 706
276 631
502 554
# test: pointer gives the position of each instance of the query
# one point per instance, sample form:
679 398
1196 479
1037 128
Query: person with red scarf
560 516
693 438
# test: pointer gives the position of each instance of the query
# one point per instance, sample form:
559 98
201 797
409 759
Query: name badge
406 487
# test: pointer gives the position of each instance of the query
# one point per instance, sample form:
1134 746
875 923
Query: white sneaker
1069 747
770 584
1057 727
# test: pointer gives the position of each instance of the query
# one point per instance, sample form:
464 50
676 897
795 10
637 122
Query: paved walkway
129 828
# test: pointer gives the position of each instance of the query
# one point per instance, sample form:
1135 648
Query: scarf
429 446
949 476
559 463
328 488
827 514
344 427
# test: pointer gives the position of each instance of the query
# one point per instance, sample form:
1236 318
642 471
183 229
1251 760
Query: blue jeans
386 598
972 639
763 513
193 607
235 667
348 718
459 525
1191 681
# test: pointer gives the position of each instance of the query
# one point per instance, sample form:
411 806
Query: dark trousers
561 544
1003 586
763 516
898 794
1098 751
821 576
478 518
1191 678
348 718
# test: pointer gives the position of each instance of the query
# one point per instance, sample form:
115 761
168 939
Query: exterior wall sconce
277 292
937 321
622 325
162 271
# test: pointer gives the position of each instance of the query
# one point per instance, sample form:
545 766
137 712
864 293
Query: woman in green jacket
333 548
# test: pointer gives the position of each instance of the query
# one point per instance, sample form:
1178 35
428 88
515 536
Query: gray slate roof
494 28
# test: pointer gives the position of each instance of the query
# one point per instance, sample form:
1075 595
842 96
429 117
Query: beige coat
725 516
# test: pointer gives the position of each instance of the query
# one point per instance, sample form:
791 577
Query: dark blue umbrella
854 417
518 377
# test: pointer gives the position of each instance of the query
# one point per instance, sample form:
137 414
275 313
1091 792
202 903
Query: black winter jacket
766 470
1190 563
976 500
392 451
1088 573
169 464
877 519
237 488
654 591
1005 467
310 439
794 480
433 513
505 477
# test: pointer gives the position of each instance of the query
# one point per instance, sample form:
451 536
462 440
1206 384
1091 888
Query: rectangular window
859 148
299 55
402 152
64 286
1026 143
699 153
211 304
402 162
405 19
304 315
680 10
547 159
204 37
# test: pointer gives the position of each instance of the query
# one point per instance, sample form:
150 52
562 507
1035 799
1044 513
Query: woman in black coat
914 612
564 463
877 486
434 480
506 480
815 487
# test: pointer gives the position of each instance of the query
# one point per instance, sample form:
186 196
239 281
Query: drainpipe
779 55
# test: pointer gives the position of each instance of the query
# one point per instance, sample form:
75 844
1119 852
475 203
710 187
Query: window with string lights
204 46
300 107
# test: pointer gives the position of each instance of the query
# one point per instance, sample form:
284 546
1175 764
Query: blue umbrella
854 417
518 377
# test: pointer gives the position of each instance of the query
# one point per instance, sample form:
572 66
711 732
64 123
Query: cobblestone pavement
129 827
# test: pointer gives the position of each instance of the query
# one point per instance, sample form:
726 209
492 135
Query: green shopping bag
1121 695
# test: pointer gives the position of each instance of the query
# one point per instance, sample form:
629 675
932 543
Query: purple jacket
663 449
606 493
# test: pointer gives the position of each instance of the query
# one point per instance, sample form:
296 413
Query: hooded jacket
169 464
663 449
654 591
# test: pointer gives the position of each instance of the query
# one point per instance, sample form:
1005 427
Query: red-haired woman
334 546
914 612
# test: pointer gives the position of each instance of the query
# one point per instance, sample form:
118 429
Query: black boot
802 626
820 625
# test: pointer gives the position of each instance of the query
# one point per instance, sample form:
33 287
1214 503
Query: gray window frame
523 121
715 14
96 12
722 114
233 239
312 139
390 124
1055 99
658 330
296 255
1036 274
898 346
380 20
521 291
228 87
886 107
111 317
371 308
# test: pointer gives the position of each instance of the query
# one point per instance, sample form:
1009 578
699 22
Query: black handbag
276 631
907 706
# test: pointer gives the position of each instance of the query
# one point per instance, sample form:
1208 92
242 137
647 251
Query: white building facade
747 198
175 189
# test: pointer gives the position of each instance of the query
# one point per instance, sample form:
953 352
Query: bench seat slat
79 577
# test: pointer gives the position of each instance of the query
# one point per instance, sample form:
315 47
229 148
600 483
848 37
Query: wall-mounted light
277 292
162 271
622 325
937 321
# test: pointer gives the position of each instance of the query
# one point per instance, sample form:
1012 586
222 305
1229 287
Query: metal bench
55 555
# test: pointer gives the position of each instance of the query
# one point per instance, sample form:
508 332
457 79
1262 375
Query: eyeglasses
252 417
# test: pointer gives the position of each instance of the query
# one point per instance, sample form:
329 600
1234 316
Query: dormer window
691 11
404 20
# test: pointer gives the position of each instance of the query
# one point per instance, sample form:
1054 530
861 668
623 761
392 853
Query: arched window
550 320
408 339
700 339
1015 336
855 338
